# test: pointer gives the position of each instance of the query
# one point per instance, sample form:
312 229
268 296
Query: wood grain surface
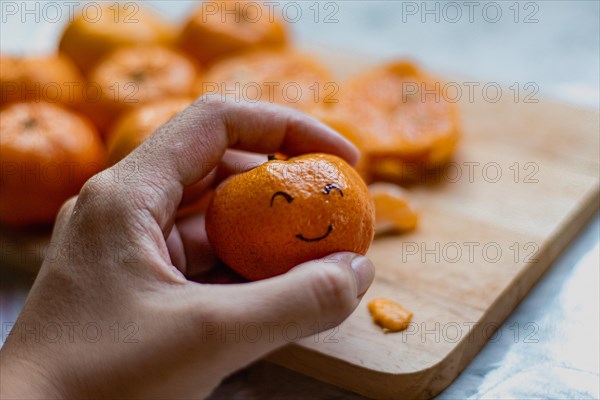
487 234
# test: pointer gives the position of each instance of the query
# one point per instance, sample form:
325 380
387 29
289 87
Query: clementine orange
283 77
222 28
53 79
264 221
133 76
137 124
100 28
398 115
47 154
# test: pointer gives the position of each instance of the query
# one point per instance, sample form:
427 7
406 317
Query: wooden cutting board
524 182
483 241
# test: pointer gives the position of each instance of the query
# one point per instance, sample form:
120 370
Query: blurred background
552 45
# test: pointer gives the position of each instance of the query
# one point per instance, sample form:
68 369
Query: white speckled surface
559 53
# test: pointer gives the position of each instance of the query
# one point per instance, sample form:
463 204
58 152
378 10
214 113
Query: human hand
112 314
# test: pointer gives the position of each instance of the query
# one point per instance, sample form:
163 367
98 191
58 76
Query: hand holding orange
280 214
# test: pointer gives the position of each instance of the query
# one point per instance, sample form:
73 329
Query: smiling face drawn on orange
328 188
283 213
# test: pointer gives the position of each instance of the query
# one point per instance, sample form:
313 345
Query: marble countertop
548 347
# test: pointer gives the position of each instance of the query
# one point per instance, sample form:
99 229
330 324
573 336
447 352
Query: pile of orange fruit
113 81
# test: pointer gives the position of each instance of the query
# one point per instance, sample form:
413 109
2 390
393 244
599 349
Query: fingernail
364 273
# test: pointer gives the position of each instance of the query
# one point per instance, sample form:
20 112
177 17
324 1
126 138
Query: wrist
23 379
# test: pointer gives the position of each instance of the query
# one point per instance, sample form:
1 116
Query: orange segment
223 28
264 221
47 154
288 78
101 28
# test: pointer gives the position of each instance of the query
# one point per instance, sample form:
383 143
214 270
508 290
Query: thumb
241 323
312 297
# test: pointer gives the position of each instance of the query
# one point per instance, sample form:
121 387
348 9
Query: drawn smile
301 237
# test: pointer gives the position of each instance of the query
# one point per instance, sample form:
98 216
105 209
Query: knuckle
66 209
99 196
212 100
92 189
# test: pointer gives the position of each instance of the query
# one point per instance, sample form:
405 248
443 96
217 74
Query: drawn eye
332 186
286 196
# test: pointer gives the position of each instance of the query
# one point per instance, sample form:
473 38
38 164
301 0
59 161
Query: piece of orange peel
389 315
393 211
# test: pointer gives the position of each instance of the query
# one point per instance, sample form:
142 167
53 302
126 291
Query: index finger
191 144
